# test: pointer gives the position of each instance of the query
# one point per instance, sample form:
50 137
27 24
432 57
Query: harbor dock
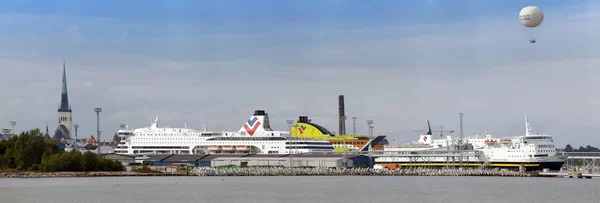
353 172
570 174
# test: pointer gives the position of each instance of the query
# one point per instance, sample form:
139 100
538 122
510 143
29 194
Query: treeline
588 148
31 152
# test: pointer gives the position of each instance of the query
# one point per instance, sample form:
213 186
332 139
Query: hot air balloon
531 17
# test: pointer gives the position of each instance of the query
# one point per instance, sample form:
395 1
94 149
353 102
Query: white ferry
254 137
534 152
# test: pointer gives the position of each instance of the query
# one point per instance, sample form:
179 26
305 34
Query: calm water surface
300 189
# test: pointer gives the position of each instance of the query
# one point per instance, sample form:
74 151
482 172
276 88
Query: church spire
64 98
64 79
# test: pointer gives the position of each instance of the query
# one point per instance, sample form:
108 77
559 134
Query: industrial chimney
342 115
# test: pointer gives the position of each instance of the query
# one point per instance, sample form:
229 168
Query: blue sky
398 63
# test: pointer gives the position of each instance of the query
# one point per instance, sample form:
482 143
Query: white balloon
531 16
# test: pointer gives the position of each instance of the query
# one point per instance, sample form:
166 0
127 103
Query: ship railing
485 160
408 146
428 153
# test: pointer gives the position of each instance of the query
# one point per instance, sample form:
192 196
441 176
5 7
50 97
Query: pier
429 158
571 174
255 171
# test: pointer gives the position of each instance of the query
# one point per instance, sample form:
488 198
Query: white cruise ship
255 137
535 152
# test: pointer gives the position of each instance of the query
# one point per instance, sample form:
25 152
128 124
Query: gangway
371 143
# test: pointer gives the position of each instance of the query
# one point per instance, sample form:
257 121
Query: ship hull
554 166
553 163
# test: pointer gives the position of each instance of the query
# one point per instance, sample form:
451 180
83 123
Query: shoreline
81 174
278 172
355 172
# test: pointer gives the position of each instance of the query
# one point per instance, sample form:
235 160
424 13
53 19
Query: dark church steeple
65 116
64 97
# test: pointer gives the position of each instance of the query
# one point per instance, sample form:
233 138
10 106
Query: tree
587 148
568 148
88 161
31 152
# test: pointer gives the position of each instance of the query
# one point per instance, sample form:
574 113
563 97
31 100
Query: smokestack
342 115
303 119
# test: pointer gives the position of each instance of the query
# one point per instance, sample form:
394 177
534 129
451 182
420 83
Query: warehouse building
125 159
330 162
199 160
260 160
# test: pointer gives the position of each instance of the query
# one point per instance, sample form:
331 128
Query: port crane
430 132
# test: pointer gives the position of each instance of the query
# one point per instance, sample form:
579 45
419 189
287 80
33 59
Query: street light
353 125
13 123
98 110
75 126
461 129
370 124
290 124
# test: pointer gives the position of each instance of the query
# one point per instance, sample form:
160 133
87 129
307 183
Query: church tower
65 119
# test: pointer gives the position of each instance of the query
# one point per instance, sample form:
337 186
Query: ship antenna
185 125
527 126
205 126
155 123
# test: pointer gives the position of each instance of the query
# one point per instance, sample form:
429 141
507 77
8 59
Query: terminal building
260 160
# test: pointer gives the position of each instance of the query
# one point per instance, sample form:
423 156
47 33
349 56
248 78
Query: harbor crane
430 132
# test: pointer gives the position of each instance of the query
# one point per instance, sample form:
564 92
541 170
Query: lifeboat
489 141
228 148
505 141
214 148
242 148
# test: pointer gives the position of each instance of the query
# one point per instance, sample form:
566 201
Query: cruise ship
534 152
254 137
306 129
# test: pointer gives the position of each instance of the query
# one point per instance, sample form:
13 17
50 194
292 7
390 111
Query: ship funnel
259 113
303 119
265 121
267 124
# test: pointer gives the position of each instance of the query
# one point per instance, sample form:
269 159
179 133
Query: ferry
534 152
306 129
254 137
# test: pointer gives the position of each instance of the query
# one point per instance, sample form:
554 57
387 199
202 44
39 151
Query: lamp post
75 144
353 125
370 124
290 124
461 139
98 110
461 129
13 123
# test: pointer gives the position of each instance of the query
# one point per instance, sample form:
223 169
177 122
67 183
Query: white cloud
399 76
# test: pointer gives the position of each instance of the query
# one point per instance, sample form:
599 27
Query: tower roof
64 98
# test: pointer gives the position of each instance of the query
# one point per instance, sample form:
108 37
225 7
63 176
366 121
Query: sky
398 63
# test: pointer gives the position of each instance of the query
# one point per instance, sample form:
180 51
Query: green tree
88 161
74 160
46 159
568 148
54 163
30 151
